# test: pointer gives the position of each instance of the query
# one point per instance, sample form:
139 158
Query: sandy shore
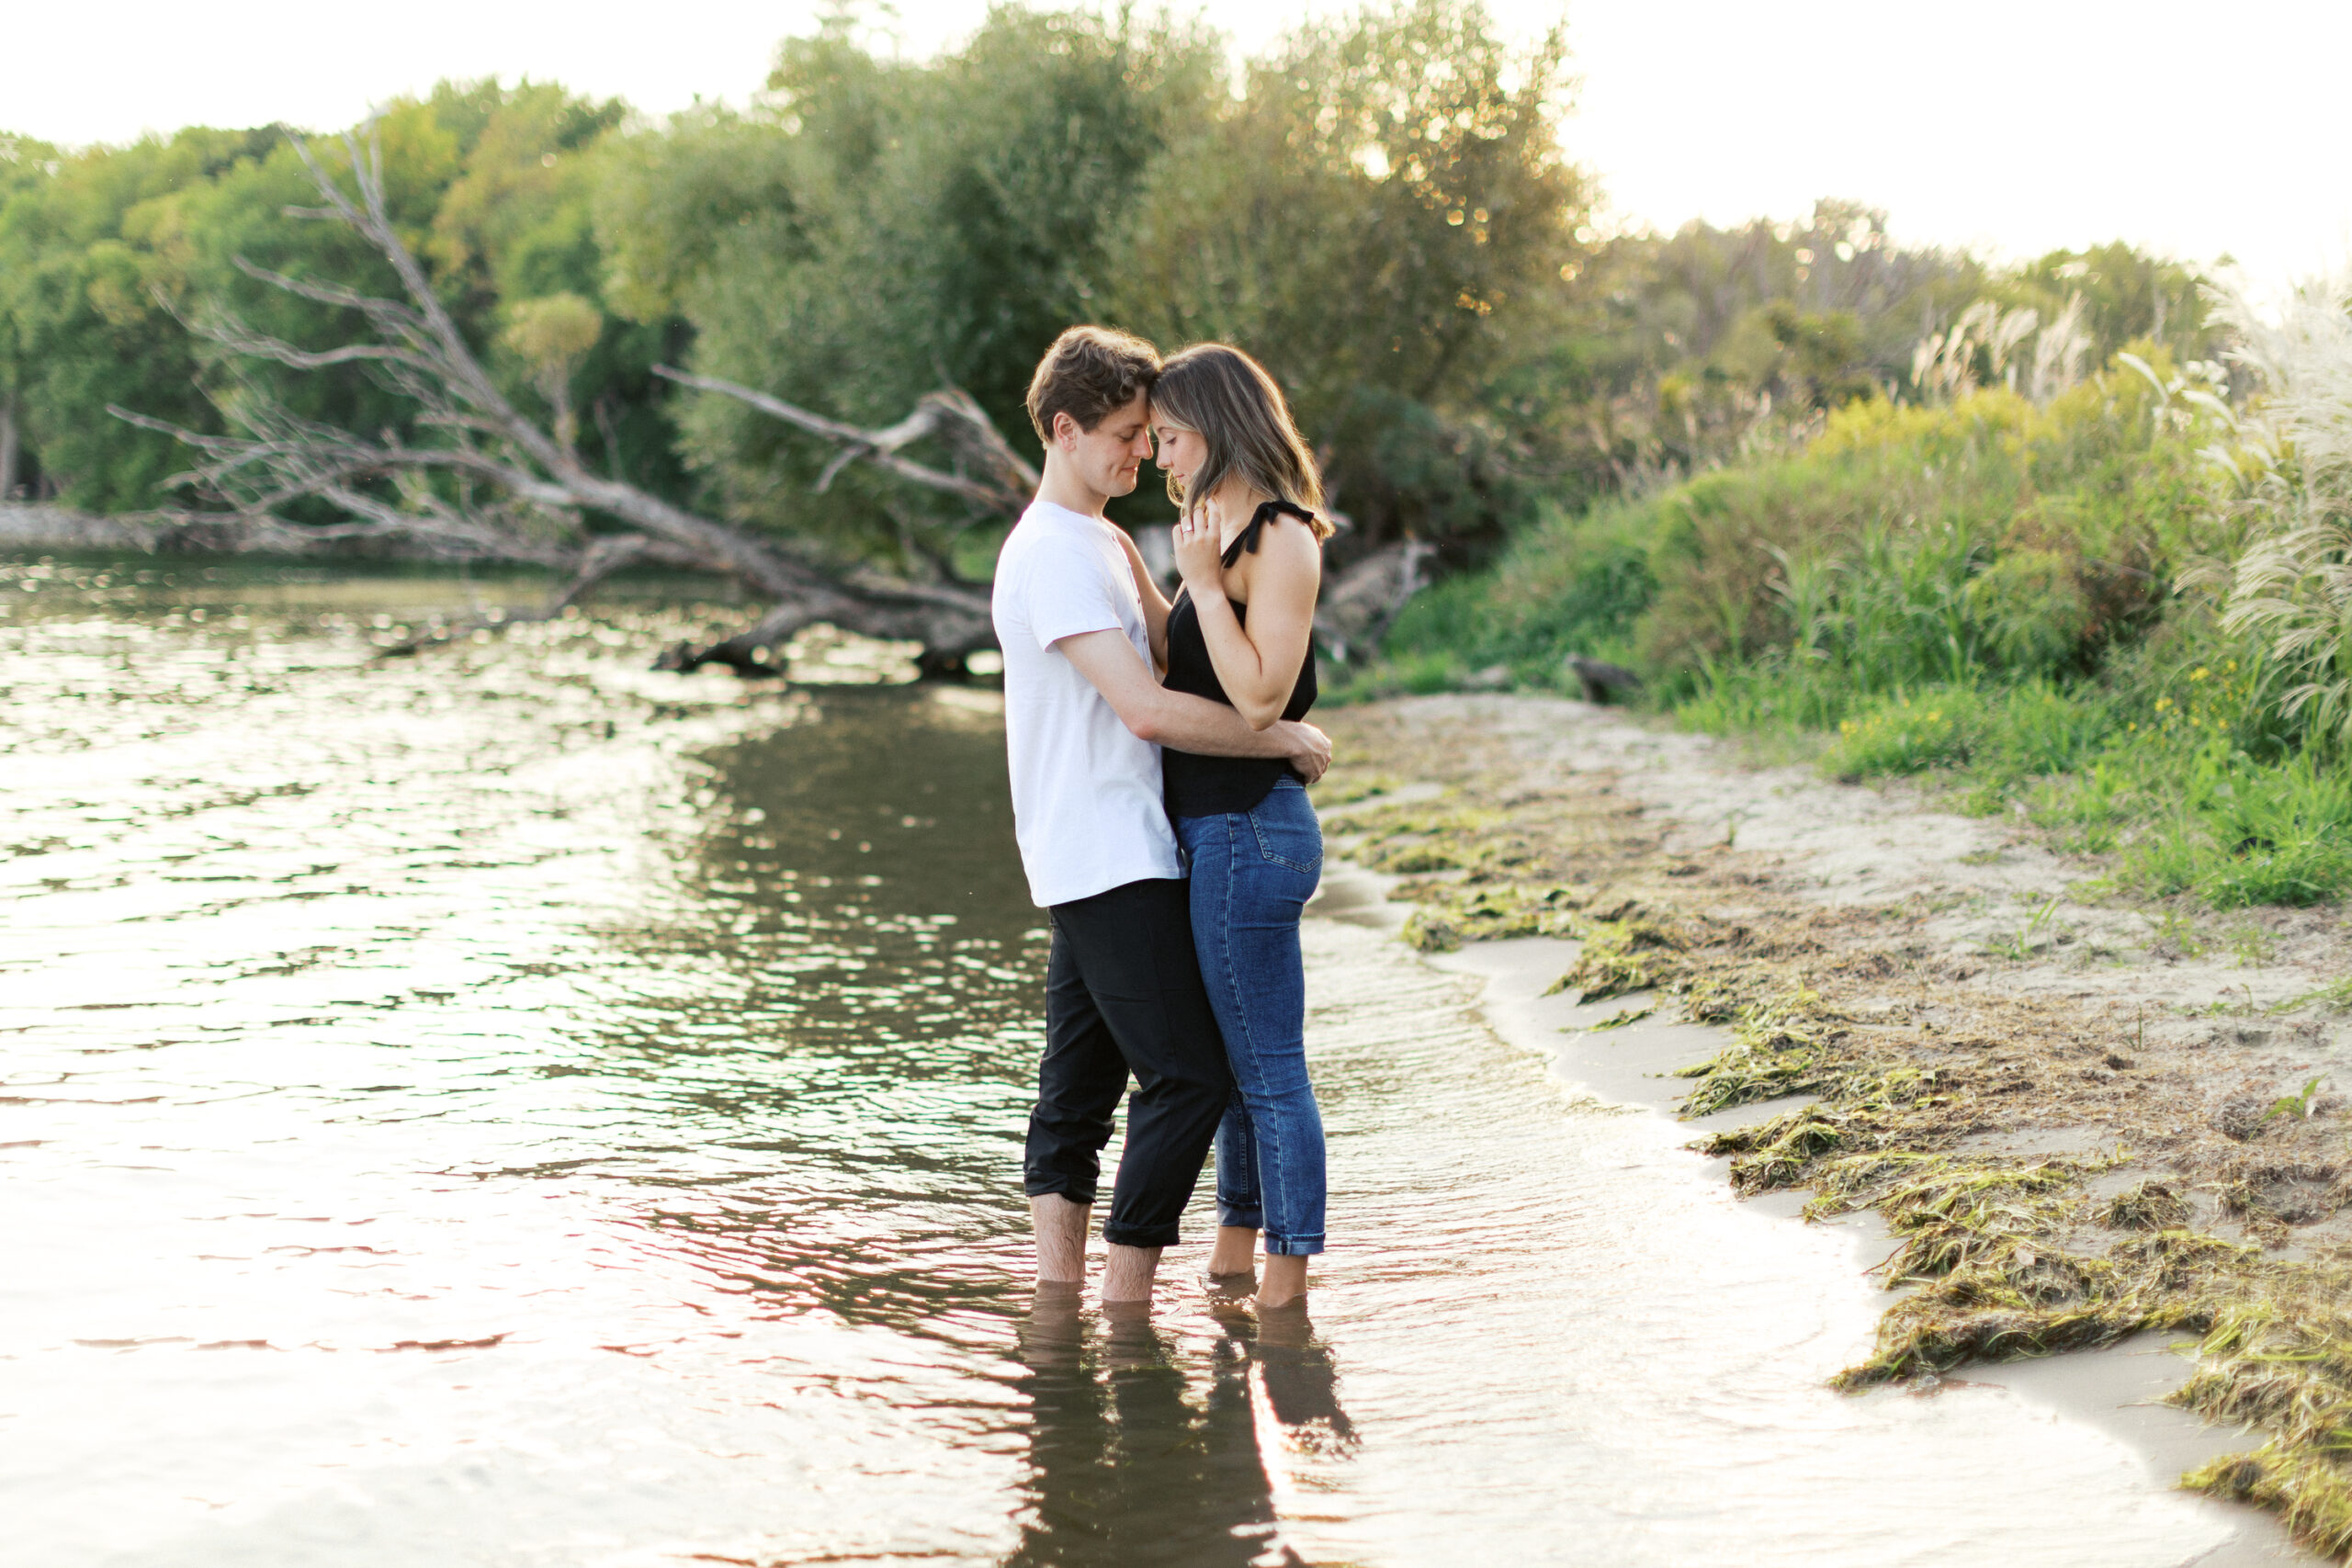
1967 910
2119 1047
1563 1339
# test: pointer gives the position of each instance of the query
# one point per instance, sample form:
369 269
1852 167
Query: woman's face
1181 450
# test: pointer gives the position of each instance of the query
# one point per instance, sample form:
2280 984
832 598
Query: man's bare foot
1129 1337
1060 1227
1236 1251
1053 1333
1284 1284
1127 1273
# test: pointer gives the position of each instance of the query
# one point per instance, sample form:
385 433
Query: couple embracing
1160 773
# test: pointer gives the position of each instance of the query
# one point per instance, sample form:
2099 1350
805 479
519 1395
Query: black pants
1124 995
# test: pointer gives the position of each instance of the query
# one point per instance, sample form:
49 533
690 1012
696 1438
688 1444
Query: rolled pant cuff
1294 1246
1058 1188
1241 1219
1139 1235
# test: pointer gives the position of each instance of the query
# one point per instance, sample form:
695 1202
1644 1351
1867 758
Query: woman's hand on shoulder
1200 554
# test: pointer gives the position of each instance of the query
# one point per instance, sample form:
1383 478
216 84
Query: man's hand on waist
1309 751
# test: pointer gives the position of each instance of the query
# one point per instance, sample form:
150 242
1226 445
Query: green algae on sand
1935 1102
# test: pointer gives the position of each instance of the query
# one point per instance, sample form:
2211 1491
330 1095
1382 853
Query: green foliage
1940 730
2238 833
877 227
2300 1104
1379 213
1982 589
1904 545
2289 589
1380 216
1563 588
102 249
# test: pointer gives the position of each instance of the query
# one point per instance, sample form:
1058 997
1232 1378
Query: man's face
1109 457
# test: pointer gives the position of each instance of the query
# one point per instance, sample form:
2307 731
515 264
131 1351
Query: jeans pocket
1287 832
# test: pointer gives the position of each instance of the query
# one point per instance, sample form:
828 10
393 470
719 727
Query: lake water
509 1107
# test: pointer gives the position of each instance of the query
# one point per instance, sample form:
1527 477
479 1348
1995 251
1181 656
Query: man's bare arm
1179 719
1155 603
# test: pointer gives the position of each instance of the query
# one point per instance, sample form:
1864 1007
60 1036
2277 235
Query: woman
1249 546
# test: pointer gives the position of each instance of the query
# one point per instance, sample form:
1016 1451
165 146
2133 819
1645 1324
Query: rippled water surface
509 1107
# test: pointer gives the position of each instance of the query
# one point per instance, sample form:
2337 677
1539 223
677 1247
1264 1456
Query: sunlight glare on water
506 1106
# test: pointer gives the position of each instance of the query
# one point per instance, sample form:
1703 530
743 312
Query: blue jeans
1252 871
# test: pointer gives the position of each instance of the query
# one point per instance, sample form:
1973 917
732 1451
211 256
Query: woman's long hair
1244 421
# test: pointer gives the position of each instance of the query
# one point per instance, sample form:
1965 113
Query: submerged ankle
1236 1251
1284 1281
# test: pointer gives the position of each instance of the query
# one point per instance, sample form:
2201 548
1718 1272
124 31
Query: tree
490 184
1377 213
1376 217
874 229
484 478
25 166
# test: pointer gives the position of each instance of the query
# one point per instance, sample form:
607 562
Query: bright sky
2012 126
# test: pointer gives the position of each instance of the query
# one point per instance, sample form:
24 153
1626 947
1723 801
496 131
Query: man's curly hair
1087 373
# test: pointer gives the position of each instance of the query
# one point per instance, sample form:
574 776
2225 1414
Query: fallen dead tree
1357 603
494 483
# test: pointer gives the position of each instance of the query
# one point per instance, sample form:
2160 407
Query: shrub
2245 833
1940 729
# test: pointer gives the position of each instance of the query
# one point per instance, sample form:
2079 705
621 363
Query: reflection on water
511 1107
1134 1463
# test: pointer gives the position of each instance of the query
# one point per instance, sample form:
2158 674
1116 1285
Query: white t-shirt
1086 802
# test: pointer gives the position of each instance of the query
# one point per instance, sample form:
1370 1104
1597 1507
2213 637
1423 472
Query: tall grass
2292 586
2021 597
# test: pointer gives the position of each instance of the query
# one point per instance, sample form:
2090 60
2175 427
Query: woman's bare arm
1257 664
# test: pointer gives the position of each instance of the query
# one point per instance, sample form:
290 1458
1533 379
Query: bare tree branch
1357 604
328 293
1003 484
522 491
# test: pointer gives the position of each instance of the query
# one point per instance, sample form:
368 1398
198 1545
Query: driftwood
1601 680
495 483
1357 604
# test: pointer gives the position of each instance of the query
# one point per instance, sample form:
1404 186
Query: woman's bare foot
1284 1284
1236 1251
1229 1289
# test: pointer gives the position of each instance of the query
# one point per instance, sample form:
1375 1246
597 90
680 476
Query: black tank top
1210 786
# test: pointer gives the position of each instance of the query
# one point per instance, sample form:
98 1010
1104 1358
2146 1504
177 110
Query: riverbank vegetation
2061 1165
1383 207
2115 611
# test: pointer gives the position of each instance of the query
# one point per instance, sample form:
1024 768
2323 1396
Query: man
1084 718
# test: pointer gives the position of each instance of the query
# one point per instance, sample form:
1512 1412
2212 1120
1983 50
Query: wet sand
1847 845
1786 1303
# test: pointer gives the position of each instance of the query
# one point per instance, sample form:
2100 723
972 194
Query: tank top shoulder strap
1248 538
